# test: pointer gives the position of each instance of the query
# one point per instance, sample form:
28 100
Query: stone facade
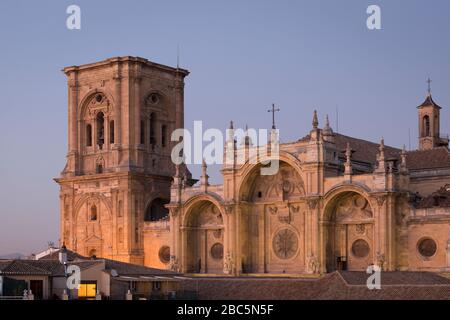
336 202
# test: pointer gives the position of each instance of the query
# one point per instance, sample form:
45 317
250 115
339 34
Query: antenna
178 55
337 119
409 139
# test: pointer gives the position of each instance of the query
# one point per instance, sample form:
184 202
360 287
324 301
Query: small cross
429 86
273 110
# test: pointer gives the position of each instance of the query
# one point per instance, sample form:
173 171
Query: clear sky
243 55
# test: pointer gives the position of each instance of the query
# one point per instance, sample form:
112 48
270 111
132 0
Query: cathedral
336 202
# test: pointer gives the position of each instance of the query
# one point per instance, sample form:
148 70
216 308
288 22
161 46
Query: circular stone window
217 251
154 98
285 244
360 248
427 247
164 254
99 98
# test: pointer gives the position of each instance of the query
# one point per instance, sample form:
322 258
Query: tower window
164 135
142 132
100 129
426 126
152 129
88 135
93 216
99 168
156 210
111 132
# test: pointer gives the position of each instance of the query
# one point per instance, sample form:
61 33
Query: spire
429 86
204 178
315 122
273 110
403 167
348 163
231 125
327 131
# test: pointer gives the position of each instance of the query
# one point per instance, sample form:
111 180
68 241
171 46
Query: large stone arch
83 104
347 229
204 232
251 169
93 226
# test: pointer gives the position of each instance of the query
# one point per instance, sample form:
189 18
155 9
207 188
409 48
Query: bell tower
121 114
429 122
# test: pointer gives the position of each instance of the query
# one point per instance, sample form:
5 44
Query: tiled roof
428 159
71 256
429 102
397 278
395 286
364 151
21 267
128 269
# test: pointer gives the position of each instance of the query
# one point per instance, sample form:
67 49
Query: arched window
93 253
156 210
163 135
142 132
93 216
100 129
111 132
88 135
153 129
99 168
426 126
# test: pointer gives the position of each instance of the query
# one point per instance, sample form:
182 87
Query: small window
88 135
93 216
156 210
157 285
111 132
259 194
142 132
164 254
87 290
164 135
100 129
99 168
152 129
427 247
426 126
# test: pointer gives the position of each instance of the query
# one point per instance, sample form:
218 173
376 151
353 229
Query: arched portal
349 232
204 229
271 224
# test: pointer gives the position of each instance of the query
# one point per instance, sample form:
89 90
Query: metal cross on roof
273 110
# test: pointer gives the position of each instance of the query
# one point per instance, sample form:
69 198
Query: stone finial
381 157
204 178
315 122
348 163
403 167
327 131
231 125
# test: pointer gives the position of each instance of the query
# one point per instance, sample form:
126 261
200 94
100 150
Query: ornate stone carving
273 209
353 208
285 244
313 263
380 200
228 264
173 264
312 203
380 260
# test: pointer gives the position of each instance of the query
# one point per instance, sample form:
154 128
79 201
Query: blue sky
243 56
